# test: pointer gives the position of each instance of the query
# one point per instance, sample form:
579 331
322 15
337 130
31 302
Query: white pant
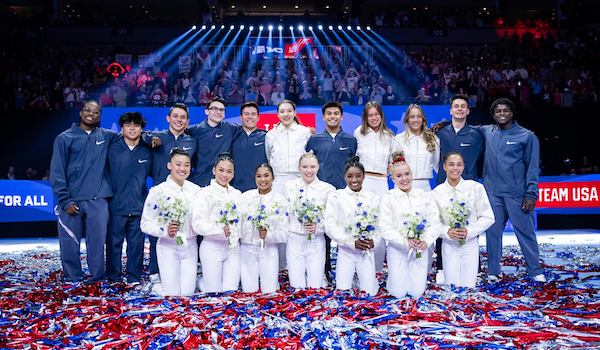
350 260
277 186
407 274
220 267
177 266
461 263
305 257
376 184
259 262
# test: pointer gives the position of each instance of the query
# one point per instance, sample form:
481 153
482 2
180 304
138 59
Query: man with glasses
80 181
213 136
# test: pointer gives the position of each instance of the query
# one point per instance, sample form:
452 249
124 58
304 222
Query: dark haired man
129 164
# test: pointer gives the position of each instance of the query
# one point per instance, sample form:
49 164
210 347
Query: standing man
510 177
80 181
213 136
459 137
248 148
129 164
175 136
333 147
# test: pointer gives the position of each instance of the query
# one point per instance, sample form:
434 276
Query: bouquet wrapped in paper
229 215
263 217
457 215
414 228
307 211
171 209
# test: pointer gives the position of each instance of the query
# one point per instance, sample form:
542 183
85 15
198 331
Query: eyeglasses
217 110
88 109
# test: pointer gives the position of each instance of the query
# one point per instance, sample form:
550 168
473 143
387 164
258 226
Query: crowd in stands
534 69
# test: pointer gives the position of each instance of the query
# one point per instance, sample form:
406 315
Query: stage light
357 27
252 28
320 27
330 27
222 26
368 27
231 27
260 28
349 27
242 27
212 27
270 27
203 27
301 28
280 28
264 6
291 28
310 28
339 27
194 27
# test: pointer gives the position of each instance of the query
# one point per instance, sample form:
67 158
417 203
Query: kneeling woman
460 246
176 249
345 208
219 250
305 249
259 253
409 222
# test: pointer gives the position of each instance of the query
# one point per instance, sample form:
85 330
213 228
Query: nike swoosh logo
100 142
187 148
142 161
219 135
511 142
343 148
465 144
258 143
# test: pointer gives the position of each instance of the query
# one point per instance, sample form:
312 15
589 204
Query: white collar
460 187
174 185
218 188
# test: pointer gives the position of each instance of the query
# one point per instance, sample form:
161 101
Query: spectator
120 96
157 96
141 97
318 98
436 93
251 95
189 99
235 96
389 98
360 99
277 96
106 99
205 96
46 177
585 167
11 173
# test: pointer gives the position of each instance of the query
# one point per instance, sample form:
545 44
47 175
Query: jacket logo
258 143
465 144
100 142
142 161
218 135
343 148
511 142
187 148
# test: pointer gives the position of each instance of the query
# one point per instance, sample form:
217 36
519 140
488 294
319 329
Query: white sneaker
540 278
439 277
155 278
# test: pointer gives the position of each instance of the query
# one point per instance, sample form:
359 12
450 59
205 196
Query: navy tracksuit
210 143
468 142
79 175
128 171
332 153
248 153
510 175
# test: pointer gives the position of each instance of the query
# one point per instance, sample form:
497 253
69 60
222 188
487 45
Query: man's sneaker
494 278
540 278
155 278
439 277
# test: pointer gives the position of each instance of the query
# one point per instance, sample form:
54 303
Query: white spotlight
339 27
368 27
261 28
310 28
194 27
300 28
320 27
212 27
349 28
222 26
203 27
292 28
330 27
357 27
252 28
270 27
280 27
231 27
242 27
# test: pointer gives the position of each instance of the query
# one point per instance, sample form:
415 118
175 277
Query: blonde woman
421 147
